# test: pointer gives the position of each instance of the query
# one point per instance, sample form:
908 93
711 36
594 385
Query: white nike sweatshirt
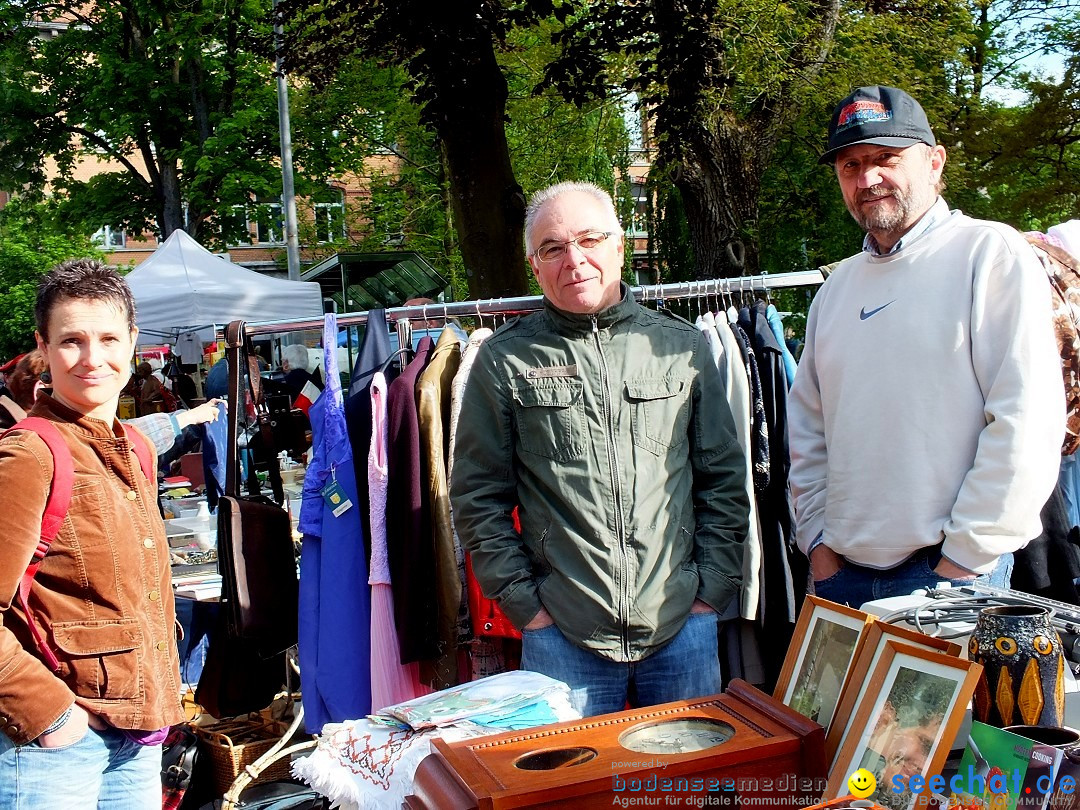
929 402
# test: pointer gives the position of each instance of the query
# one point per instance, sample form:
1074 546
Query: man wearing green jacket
607 425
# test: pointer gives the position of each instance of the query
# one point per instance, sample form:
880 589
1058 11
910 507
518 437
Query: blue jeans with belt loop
103 771
856 584
686 667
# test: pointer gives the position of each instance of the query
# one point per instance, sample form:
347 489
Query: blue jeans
102 771
686 667
856 584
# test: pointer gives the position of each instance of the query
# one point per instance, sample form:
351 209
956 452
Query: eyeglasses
551 251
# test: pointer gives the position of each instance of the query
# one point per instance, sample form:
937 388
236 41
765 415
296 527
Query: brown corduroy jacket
102 598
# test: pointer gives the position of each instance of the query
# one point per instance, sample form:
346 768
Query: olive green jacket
613 436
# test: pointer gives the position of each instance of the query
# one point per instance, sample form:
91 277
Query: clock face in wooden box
718 736
678 736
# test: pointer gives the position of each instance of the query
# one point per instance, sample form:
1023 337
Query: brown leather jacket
102 597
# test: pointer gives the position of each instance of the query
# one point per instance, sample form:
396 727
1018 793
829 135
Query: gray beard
884 220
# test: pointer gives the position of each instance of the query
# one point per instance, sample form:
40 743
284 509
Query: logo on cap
859 113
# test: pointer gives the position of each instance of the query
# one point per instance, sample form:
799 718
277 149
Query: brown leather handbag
256 554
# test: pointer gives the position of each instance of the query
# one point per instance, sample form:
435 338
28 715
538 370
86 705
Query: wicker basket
232 745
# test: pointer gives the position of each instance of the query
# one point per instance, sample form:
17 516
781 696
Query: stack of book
201 584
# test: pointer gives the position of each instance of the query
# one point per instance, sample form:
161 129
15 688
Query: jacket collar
573 322
50 408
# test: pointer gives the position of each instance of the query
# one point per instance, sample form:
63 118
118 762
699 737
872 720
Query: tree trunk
715 152
487 203
719 178
172 209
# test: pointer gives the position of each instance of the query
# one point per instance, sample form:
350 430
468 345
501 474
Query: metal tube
531 303
288 189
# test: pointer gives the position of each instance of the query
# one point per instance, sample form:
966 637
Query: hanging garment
189 348
408 519
759 431
737 384
777 327
433 408
494 643
373 353
1049 565
706 324
335 623
391 681
457 388
214 455
786 568
1069 483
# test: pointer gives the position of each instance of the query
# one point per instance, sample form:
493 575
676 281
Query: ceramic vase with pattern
1023 678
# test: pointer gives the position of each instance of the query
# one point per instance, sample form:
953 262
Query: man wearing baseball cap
927 413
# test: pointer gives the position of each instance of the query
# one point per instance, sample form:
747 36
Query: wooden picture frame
871 648
819 657
908 720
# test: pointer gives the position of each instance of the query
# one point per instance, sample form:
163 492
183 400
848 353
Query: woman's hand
72 731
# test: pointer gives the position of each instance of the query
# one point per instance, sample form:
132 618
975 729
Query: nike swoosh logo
863 314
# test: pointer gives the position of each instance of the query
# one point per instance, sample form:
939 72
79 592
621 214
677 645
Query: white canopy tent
184 287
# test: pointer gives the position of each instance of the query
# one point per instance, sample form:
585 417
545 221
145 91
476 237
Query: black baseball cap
879 115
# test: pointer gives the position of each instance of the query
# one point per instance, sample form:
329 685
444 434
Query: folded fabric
371 763
364 764
499 695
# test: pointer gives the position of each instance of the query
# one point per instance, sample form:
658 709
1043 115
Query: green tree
449 53
174 95
1018 162
366 119
364 123
804 222
720 80
31 243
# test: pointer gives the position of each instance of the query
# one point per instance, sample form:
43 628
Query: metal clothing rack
495 306
530 303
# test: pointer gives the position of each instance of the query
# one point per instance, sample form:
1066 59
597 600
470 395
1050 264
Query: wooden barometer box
714 751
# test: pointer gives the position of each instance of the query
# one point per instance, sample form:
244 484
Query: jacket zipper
616 486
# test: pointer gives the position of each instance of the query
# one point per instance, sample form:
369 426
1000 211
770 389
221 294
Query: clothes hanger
732 310
403 326
395 356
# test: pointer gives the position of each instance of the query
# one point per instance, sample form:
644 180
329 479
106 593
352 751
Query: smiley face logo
862 783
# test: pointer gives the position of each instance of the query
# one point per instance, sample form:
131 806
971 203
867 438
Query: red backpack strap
56 508
142 451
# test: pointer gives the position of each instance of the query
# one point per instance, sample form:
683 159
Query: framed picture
871 648
906 723
818 659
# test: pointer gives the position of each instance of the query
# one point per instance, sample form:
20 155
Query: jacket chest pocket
101 657
551 421
659 412
91 505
